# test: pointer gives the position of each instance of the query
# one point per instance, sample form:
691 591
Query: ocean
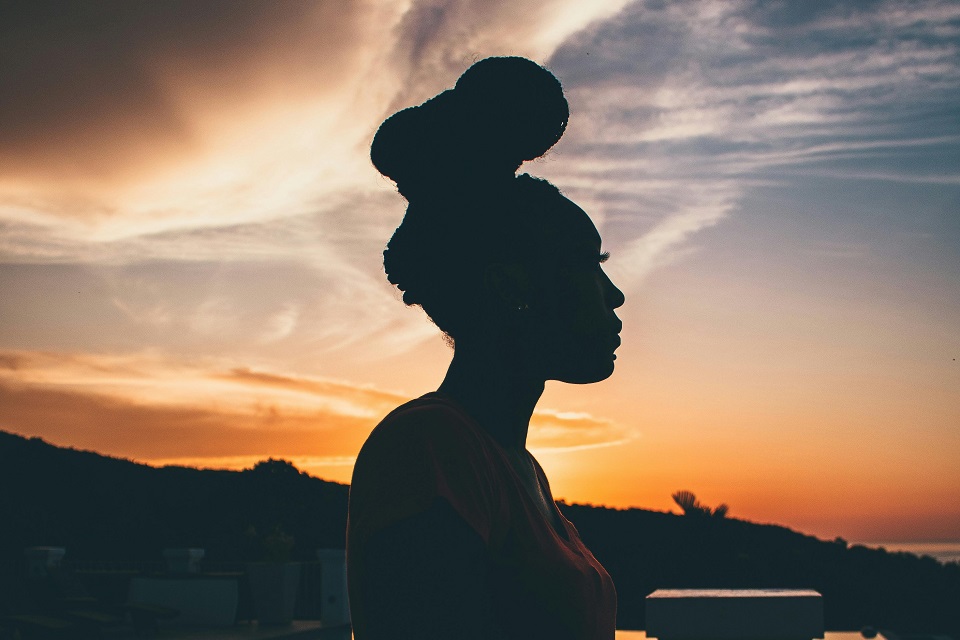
942 551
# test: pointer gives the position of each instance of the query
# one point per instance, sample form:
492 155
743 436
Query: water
942 551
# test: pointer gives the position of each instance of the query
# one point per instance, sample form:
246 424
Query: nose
613 295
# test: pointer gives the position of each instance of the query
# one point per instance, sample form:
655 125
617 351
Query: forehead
574 230
545 226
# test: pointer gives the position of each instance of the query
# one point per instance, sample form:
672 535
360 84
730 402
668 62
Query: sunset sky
191 236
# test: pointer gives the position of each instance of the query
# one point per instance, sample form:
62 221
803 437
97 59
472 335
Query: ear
509 285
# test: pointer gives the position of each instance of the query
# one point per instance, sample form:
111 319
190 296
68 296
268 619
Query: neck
498 396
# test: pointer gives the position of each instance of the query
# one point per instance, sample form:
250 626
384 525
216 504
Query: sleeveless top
544 583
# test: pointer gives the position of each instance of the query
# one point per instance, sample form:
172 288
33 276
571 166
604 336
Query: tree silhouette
278 468
693 507
687 502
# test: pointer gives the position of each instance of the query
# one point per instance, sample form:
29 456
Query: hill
107 508
647 550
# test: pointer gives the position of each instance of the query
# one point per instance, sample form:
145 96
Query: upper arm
426 577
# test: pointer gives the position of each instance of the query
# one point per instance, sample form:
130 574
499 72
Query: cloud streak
87 89
151 408
681 108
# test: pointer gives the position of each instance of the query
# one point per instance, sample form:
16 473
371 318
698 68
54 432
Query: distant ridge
108 508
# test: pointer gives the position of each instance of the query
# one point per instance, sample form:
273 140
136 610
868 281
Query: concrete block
333 587
734 614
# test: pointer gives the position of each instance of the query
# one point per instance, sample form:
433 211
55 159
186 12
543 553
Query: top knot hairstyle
454 158
501 112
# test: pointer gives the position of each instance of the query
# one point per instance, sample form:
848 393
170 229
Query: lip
614 345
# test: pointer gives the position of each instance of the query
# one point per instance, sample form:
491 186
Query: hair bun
416 143
517 107
502 112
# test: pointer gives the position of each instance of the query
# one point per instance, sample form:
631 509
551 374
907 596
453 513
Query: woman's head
480 247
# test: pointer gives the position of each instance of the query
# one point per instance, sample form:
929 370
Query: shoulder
429 440
424 450
426 424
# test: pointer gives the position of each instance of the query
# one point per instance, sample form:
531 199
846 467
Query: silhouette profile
452 529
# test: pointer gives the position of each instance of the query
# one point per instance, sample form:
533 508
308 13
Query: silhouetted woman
453 531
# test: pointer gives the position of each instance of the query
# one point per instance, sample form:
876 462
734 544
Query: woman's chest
533 492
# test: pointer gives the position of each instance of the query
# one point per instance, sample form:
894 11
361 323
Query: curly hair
454 158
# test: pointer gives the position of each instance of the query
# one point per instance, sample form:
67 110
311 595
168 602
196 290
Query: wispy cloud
161 410
156 380
680 108
437 39
554 431
670 236
94 91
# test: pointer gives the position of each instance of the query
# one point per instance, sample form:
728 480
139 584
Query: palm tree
693 507
688 502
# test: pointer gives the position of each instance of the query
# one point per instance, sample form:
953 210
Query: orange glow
206 415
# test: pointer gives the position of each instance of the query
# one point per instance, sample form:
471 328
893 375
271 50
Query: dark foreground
103 508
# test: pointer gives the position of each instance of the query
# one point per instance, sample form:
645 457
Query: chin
588 375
